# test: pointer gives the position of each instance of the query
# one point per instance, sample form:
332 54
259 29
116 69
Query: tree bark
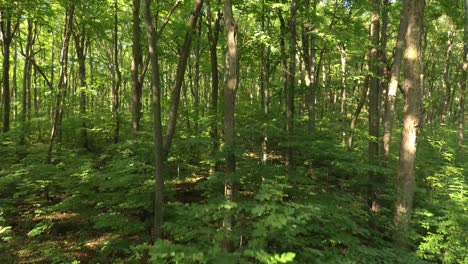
8 32
461 121
412 88
179 78
62 84
157 126
229 120
80 46
389 111
446 87
137 63
292 82
213 35
374 81
116 78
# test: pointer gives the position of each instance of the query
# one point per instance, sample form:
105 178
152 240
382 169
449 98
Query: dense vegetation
291 137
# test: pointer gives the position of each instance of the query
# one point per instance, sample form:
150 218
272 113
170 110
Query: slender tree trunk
157 126
374 81
344 111
393 86
62 85
356 114
229 120
412 88
213 35
292 82
446 82
15 82
26 80
137 63
308 42
461 121
80 46
116 78
179 78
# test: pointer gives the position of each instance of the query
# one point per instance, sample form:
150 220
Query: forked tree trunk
412 88
389 111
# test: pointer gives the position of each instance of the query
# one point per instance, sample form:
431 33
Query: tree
229 106
461 122
8 28
389 111
137 64
411 121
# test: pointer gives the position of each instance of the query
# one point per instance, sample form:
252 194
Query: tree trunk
229 121
116 78
137 63
393 87
461 121
62 85
7 36
292 82
213 34
80 46
179 78
374 81
344 107
446 88
412 88
157 126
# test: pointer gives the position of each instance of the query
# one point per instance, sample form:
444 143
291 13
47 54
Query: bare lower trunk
412 88
229 120
157 126
137 62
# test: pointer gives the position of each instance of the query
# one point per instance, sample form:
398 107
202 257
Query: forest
233 131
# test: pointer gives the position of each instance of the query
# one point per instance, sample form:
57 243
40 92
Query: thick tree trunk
179 78
62 84
412 88
137 63
229 120
461 121
7 36
393 86
157 126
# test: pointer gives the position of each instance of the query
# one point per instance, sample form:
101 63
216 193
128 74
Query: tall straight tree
213 36
63 80
137 63
411 120
116 77
389 111
374 80
157 126
461 121
8 29
229 106
291 80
